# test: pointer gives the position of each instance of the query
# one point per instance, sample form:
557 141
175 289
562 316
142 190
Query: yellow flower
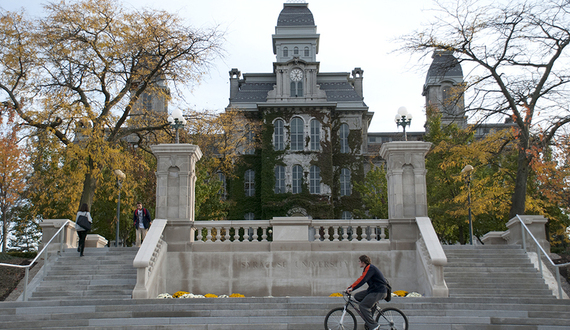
401 293
336 294
179 294
237 295
210 295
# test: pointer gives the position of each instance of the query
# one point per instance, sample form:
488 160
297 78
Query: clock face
296 75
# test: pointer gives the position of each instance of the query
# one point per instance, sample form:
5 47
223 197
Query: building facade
313 130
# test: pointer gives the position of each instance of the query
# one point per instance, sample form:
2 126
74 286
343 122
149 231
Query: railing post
539 259
26 272
523 238
559 284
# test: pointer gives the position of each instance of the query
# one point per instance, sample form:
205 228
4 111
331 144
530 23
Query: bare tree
519 57
82 68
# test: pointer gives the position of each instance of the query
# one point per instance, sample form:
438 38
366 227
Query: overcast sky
353 33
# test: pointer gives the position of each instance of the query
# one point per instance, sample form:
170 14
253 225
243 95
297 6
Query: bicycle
341 318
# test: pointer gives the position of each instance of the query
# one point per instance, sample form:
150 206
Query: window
223 188
306 51
279 179
249 183
249 216
315 180
285 52
278 135
296 88
315 135
297 134
249 143
147 101
345 187
343 133
297 179
296 51
346 215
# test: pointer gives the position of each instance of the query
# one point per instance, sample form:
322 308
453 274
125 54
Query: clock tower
295 45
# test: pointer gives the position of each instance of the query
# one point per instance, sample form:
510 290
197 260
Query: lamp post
120 177
403 118
467 172
176 121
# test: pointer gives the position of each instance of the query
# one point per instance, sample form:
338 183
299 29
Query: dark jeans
366 301
82 235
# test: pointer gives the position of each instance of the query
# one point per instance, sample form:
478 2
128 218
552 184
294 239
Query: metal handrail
538 249
27 267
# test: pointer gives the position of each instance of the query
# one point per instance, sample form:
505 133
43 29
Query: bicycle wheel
337 319
391 319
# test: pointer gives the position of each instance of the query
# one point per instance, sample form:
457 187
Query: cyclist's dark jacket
373 277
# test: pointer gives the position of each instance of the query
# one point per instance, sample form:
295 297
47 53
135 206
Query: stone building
312 144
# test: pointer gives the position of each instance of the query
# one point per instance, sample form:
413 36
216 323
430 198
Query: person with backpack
83 223
141 221
376 290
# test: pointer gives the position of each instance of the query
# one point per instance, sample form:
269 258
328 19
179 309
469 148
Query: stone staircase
70 301
102 273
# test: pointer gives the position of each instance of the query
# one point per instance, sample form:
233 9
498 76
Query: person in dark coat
82 232
376 290
141 221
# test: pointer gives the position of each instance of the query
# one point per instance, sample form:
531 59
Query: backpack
388 292
83 221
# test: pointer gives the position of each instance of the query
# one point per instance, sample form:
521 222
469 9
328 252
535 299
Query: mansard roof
295 14
444 67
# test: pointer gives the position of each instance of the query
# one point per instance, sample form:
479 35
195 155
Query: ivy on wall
266 204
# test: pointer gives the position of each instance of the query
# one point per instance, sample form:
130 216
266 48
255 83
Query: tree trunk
519 195
89 185
4 232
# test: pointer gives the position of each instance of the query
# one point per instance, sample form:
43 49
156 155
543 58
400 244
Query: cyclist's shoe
377 327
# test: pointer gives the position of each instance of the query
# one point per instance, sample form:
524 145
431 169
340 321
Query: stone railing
432 257
248 231
149 262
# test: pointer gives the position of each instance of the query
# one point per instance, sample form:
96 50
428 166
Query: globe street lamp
467 172
176 121
403 118
120 177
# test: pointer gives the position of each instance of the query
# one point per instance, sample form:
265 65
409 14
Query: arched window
249 183
250 141
296 88
297 134
278 135
296 184
315 135
346 215
307 51
279 179
296 51
343 134
315 180
285 52
345 186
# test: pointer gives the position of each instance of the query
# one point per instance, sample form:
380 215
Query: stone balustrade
252 231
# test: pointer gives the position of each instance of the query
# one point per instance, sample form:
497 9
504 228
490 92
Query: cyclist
375 292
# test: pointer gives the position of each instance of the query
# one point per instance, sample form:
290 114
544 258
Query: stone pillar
537 226
51 226
407 191
175 196
290 233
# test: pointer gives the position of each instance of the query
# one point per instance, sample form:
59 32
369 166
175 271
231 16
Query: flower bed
187 295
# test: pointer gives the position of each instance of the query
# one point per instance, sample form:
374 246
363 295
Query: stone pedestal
536 224
407 192
175 195
291 233
50 227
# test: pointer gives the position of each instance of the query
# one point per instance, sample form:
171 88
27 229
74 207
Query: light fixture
120 177
403 118
467 171
176 121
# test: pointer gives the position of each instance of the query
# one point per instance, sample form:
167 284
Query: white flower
413 294
164 296
223 296
190 295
